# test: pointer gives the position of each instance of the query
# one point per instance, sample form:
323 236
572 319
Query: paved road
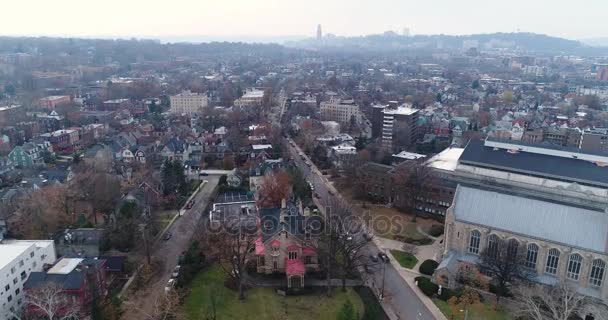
399 295
142 302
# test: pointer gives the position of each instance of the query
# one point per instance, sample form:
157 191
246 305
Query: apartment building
399 127
18 259
340 110
188 102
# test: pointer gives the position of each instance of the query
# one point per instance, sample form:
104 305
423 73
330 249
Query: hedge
428 267
426 286
436 230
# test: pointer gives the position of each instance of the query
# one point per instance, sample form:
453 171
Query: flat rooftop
539 162
65 266
11 249
446 160
401 110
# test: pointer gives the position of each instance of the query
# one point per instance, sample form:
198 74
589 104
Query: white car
170 285
175 273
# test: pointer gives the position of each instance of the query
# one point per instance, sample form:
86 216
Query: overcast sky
160 18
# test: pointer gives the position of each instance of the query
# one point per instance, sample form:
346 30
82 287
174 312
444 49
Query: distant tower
319 33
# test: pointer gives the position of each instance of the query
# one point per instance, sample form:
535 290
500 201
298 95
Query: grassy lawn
476 311
260 303
405 259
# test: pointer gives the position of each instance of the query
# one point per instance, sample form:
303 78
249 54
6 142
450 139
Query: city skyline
233 19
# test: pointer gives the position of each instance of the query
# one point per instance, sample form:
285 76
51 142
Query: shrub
499 291
447 294
426 286
436 230
428 267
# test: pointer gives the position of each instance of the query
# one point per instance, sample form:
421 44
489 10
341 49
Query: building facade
560 242
188 102
52 102
340 110
18 259
399 127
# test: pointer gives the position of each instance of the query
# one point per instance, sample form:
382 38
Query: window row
574 265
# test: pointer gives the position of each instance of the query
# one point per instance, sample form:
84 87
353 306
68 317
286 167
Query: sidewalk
408 275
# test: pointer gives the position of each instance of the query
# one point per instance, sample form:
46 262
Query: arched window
493 246
552 261
597 272
531 256
474 242
512 248
574 266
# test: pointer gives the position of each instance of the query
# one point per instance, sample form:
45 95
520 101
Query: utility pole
383 277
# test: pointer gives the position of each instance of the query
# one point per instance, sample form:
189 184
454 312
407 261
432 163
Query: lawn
260 303
476 311
405 259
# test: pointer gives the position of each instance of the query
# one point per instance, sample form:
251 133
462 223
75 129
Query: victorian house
287 242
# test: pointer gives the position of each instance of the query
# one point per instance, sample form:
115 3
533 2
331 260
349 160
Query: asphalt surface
142 302
398 294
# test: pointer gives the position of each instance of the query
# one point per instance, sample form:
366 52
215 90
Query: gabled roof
535 218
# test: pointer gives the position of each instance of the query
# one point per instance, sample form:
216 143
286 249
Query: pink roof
294 267
308 251
275 243
259 247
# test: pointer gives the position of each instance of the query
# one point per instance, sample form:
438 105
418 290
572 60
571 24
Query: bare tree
50 302
416 183
235 244
275 188
343 243
505 262
561 302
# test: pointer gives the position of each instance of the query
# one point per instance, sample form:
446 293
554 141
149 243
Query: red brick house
80 280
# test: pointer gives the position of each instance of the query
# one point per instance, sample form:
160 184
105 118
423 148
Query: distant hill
526 42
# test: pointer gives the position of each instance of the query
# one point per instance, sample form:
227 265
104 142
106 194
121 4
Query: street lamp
383 277
466 313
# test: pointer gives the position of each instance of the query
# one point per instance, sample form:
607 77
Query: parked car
167 236
369 269
175 273
383 257
170 285
373 258
190 204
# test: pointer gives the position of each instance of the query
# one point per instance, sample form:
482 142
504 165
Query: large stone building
188 103
340 110
548 202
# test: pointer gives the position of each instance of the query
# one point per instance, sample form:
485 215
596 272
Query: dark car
373 258
383 257
167 236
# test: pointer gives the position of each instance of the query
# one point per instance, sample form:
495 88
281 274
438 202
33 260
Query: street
398 294
142 302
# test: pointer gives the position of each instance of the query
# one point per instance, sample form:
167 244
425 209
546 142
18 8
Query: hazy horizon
284 19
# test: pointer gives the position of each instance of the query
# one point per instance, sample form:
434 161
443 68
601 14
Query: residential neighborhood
387 176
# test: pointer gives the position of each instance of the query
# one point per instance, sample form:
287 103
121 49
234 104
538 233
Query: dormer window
293 255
